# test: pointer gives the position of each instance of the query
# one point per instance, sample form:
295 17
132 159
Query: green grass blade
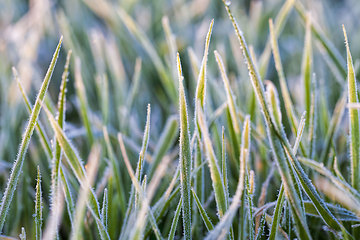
201 83
116 171
277 212
306 69
17 167
166 140
68 196
185 156
39 128
202 211
84 107
353 120
175 220
38 207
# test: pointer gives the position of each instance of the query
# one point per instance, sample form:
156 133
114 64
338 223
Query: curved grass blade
17 167
185 157
175 220
202 211
38 206
341 213
354 120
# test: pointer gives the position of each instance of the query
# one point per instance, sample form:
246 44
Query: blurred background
125 52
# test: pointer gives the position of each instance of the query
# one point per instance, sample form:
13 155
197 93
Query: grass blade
354 120
185 156
307 68
222 228
79 171
202 211
38 207
216 177
175 220
84 107
276 217
105 208
17 167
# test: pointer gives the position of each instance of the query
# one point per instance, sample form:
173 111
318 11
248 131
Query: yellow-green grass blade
185 157
17 166
353 120
202 79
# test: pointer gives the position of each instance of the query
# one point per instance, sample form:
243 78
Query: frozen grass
252 135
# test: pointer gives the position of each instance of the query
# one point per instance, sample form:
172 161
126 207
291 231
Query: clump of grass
256 122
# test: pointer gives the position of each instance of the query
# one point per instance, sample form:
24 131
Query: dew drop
227 2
